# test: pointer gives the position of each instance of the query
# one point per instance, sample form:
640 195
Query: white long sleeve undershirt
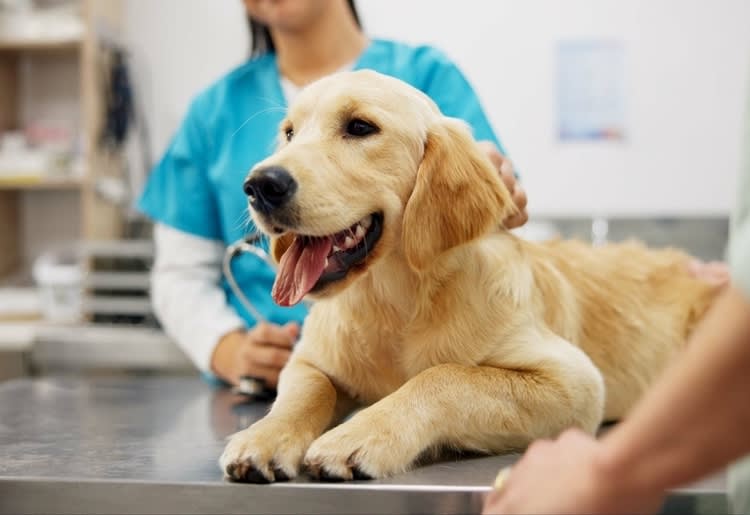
186 293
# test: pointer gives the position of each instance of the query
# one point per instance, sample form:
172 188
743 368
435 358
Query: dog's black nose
269 188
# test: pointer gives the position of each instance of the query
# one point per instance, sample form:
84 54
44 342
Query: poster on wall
591 90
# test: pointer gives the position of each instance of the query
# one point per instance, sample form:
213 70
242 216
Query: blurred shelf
40 183
20 305
137 249
106 305
118 280
39 45
17 336
19 277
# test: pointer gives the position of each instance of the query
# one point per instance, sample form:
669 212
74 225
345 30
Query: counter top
151 444
78 346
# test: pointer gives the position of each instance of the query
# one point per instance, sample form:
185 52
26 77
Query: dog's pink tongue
300 268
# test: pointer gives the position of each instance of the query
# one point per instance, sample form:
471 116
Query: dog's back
628 307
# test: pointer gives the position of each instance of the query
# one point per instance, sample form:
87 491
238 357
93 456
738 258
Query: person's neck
304 56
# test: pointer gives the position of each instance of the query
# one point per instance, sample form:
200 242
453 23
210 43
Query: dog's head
367 166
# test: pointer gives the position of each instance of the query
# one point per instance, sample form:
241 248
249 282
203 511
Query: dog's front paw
359 450
265 452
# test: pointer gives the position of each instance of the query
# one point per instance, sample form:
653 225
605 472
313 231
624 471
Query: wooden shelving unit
93 219
41 45
40 183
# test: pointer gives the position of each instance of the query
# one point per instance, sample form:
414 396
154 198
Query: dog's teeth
366 222
360 232
336 248
348 243
326 265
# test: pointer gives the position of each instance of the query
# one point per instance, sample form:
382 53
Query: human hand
568 475
713 272
505 168
260 352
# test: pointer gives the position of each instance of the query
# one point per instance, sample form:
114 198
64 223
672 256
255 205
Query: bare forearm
697 417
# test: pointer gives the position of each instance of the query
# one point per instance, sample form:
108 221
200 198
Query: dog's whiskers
249 118
243 221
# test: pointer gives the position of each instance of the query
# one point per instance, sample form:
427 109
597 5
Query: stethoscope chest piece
254 389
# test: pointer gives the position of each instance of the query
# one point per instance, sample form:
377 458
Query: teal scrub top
197 185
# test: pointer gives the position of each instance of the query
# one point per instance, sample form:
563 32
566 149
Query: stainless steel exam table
150 444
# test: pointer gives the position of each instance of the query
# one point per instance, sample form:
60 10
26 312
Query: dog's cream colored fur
454 333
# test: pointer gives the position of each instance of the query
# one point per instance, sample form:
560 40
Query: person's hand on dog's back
713 272
505 167
259 352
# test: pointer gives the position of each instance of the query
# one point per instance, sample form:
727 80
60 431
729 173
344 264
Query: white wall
179 47
687 64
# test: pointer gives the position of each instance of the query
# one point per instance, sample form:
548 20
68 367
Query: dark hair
261 41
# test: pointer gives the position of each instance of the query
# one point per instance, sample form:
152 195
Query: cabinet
63 79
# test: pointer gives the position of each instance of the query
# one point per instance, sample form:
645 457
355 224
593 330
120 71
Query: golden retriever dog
451 331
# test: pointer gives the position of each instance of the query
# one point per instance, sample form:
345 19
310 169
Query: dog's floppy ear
458 195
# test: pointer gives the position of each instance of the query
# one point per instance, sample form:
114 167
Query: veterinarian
691 424
195 195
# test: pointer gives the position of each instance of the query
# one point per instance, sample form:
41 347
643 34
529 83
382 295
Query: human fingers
273 334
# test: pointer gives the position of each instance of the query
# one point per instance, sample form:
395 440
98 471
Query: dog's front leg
272 448
478 408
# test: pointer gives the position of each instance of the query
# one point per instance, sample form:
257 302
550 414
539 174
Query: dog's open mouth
312 262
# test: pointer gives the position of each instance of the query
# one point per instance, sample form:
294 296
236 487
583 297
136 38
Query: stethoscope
247 244
252 387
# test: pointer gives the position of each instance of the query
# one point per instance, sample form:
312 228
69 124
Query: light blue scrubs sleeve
455 97
178 192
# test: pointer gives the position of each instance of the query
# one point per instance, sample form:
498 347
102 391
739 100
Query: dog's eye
360 128
289 133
